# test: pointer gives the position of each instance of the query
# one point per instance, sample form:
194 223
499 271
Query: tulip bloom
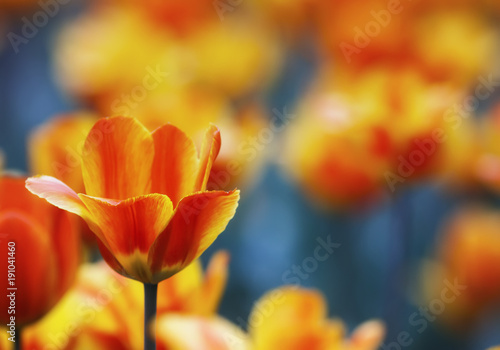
43 244
298 320
469 260
145 197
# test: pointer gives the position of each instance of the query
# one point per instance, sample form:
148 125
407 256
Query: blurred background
364 136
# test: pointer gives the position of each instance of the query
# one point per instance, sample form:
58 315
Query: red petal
175 163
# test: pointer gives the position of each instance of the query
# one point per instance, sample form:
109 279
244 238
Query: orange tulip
145 197
359 134
469 259
41 243
295 318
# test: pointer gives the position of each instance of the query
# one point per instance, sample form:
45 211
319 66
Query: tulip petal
130 224
58 194
175 163
196 223
117 159
129 228
209 151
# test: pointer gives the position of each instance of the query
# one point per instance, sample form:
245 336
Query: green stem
150 293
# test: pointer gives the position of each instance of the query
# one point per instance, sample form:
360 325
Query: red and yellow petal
130 227
196 223
175 163
117 159
209 152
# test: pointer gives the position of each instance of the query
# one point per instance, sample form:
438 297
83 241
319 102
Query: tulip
296 318
468 257
391 121
41 253
55 149
145 199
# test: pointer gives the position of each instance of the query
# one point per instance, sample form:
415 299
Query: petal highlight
58 194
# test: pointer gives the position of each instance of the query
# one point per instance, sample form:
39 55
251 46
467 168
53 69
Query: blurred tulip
292 318
145 197
451 41
180 17
292 18
455 44
235 59
55 149
102 309
368 132
239 58
43 244
97 53
360 33
468 257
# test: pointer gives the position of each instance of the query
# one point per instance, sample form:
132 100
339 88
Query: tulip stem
17 343
150 294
